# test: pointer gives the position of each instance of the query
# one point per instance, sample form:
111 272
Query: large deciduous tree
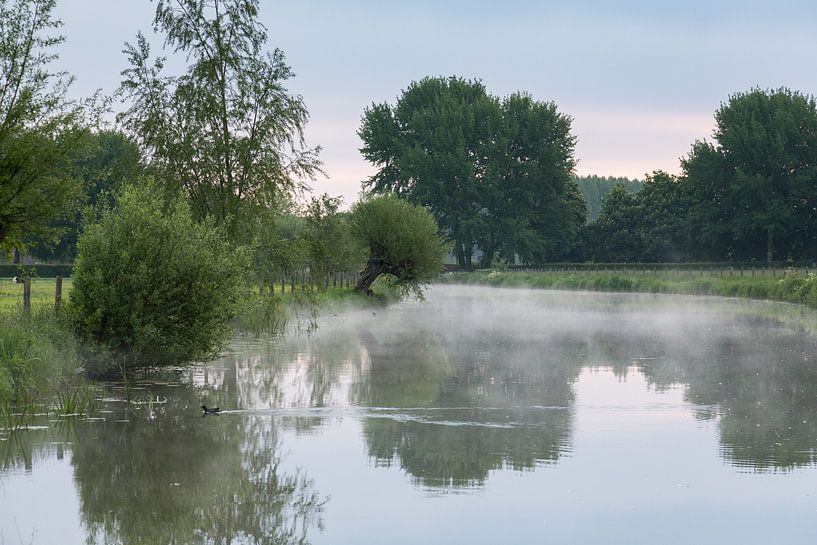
227 132
495 173
432 149
41 131
760 179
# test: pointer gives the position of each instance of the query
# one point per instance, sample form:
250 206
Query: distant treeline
594 188
497 175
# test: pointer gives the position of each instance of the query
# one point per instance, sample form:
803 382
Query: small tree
402 240
153 284
226 132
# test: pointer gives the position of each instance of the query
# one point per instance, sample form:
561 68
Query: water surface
480 416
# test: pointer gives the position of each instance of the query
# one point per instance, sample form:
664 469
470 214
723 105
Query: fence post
26 293
58 294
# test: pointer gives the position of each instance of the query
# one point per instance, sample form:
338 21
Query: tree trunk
460 255
487 259
373 269
770 246
469 253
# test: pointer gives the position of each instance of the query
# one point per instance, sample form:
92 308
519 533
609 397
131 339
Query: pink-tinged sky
641 78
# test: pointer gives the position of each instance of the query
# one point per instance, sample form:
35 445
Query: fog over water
482 415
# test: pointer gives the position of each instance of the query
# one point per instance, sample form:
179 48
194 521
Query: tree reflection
757 376
453 418
171 476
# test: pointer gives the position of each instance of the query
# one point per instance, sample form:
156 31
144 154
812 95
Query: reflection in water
750 366
508 407
162 473
452 392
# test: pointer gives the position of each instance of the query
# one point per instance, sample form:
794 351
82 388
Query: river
481 415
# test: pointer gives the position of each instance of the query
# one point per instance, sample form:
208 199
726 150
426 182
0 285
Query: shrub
152 284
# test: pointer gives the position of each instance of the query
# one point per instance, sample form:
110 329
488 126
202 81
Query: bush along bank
792 287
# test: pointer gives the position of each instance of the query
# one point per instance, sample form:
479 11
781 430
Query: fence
26 282
674 269
304 280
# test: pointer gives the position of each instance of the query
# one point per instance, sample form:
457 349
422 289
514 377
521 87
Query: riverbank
790 287
41 358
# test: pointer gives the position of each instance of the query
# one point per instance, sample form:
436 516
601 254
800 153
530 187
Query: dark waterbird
214 410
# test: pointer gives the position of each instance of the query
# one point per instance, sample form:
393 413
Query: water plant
75 400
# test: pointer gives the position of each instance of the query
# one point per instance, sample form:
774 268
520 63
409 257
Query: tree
109 162
402 241
616 234
495 173
648 226
432 149
41 131
152 284
532 207
226 133
760 179
328 239
594 188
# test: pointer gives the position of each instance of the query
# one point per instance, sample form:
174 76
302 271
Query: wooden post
58 294
292 283
283 284
26 293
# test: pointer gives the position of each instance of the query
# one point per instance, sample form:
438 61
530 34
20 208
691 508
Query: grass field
42 293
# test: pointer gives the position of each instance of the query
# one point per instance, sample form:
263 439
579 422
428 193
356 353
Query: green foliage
36 348
41 131
75 400
328 240
647 226
226 133
402 241
495 173
151 283
279 249
754 192
595 188
41 270
109 162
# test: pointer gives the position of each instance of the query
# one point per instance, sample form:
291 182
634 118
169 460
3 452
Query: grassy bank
39 356
790 287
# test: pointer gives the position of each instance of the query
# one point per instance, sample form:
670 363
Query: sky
641 79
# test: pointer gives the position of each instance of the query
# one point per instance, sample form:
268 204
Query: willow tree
226 132
402 243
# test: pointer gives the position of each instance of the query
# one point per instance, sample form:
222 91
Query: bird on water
214 410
